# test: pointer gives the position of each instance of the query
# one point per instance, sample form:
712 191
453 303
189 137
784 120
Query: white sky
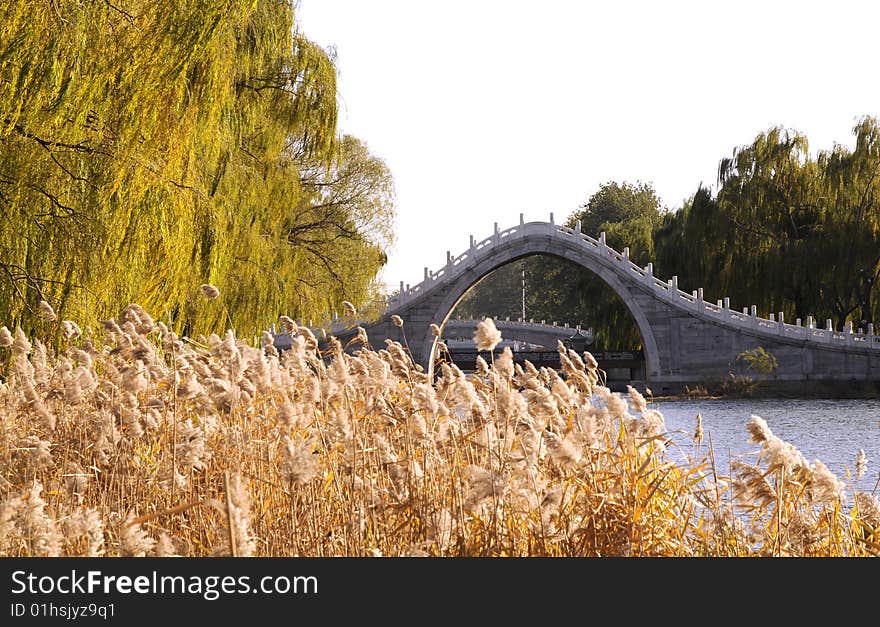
485 109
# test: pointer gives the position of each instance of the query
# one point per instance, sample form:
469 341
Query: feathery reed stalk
130 444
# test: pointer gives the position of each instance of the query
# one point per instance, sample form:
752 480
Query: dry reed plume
145 443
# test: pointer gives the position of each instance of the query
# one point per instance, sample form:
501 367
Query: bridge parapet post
753 316
780 325
725 308
496 236
871 329
577 227
811 324
649 274
602 245
698 296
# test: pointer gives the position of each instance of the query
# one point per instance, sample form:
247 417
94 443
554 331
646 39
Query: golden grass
144 443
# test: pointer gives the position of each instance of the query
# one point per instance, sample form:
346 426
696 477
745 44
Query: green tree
770 192
628 214
787 231
850 244
150 147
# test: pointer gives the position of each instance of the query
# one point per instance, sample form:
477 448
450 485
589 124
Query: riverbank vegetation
789 230
141 442
149 147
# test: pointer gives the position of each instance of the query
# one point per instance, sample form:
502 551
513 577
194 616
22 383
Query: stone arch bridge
686 339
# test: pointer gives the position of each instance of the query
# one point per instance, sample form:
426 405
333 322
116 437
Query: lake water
832 431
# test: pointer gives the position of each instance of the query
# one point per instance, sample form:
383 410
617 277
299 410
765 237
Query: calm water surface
832 431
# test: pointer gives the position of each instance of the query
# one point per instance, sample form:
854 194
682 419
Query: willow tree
770 191
850 246
805 237
695 244
149 147
788 231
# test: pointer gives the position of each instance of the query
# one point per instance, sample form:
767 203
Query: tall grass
141 442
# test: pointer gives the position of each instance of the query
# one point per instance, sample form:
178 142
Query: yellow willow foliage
148 147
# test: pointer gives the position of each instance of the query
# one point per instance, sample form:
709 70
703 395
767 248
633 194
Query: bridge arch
685 338
515 249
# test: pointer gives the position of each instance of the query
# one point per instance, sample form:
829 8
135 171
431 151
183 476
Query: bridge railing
620 261
562 329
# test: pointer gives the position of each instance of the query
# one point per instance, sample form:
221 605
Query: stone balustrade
719 312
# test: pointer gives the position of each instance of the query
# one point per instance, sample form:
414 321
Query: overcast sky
485 109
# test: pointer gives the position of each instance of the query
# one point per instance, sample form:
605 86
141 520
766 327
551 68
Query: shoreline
761 389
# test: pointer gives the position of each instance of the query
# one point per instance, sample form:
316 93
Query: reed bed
143 443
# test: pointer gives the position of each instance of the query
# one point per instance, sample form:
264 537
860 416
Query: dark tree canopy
787 231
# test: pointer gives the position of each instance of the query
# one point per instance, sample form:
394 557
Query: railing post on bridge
674 284
602 245
649 274
625 254
781 323
829 326
473 243
698 295
811 324
848 329
577 227
401 293
449 260
426 273
522 219
725 307
496 236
